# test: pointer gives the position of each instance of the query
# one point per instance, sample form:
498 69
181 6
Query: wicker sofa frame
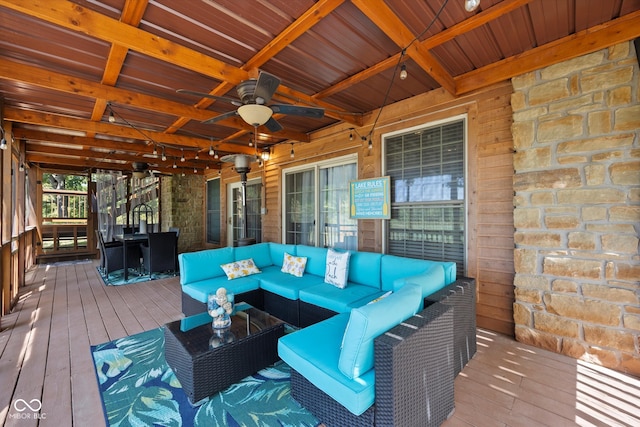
414 377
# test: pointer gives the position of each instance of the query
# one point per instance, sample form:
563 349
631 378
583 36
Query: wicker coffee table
206 361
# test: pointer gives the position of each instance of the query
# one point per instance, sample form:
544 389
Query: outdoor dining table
129 240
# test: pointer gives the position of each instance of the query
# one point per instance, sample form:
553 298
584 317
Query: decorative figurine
220 307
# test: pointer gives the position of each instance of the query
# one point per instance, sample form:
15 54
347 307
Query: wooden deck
44 355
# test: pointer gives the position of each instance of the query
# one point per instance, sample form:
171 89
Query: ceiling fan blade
265 87
220 117
273 125
296 110
233 101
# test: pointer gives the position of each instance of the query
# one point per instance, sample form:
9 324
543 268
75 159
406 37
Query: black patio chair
160 255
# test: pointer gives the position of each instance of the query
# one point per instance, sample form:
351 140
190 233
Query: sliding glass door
316 205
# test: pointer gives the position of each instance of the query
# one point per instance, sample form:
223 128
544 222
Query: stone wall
183 206
577 208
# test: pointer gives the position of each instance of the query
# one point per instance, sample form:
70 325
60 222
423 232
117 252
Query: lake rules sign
370 198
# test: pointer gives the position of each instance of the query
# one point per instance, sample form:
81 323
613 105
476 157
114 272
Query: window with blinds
426 167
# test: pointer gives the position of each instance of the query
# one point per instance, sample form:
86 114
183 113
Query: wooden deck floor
45 357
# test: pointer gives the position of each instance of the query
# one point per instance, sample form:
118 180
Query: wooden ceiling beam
382 16
77 18
62 122
582 43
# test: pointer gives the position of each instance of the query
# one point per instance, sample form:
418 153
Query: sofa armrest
461 295
418 349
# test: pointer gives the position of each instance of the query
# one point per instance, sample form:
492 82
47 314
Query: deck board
65 308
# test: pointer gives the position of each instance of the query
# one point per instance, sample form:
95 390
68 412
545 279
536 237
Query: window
213 211
427 171
319 195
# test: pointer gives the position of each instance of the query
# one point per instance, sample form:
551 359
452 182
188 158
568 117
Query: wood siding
489 178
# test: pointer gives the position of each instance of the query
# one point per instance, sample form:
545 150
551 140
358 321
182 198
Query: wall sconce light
266 154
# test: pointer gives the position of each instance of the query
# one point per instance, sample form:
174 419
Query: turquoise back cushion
316 259
364 268
260 253
277 251
201 265
371 320
395 267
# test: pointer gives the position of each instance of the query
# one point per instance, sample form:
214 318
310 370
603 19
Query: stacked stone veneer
183 207
577 208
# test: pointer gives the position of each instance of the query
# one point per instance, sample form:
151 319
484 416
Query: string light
155 150
182 159
112 118
174 165
471 5
292 154
403 72
211 152
164 157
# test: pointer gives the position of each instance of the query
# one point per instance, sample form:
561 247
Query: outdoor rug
116 278
138 388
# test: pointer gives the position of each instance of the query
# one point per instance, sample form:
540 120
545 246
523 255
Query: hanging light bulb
250 142
370 144
211 152
207 166
292 154
471 5
174 165
182 159
403 72
350 135
182 173
112 118
215 156
164 158
195 170
155 150
197 156
3 141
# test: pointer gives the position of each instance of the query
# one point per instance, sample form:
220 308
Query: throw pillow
241 268
294 265
337 269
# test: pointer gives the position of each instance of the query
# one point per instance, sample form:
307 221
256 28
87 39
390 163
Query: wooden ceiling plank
584 42
382 16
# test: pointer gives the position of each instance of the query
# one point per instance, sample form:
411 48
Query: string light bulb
403 72
3 141
155 150
211 152
292 154
370 144
350 135
182 159
164 157
112 118
216 155
174 165
471 5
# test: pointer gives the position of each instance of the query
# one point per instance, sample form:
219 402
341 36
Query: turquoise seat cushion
364 269
371 320
333 298
260 253
314 352
283 284
201 289
277 251
201 265
316 259
395 267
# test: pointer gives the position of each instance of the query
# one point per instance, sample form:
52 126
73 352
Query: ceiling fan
140 169
254 95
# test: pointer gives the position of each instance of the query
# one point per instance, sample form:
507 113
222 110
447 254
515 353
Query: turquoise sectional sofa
362 355
302 301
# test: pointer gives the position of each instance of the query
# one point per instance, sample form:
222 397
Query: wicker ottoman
206 361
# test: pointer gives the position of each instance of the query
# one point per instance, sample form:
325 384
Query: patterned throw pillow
337 269
241 268
294 264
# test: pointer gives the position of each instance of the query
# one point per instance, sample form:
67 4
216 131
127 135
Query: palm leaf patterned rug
139 389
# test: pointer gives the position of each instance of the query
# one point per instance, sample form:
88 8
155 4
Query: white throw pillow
337 269
294 265
241 268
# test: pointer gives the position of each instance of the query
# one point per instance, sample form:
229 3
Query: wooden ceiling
66 66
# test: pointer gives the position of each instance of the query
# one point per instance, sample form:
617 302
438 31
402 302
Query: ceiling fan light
254 114
471 5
